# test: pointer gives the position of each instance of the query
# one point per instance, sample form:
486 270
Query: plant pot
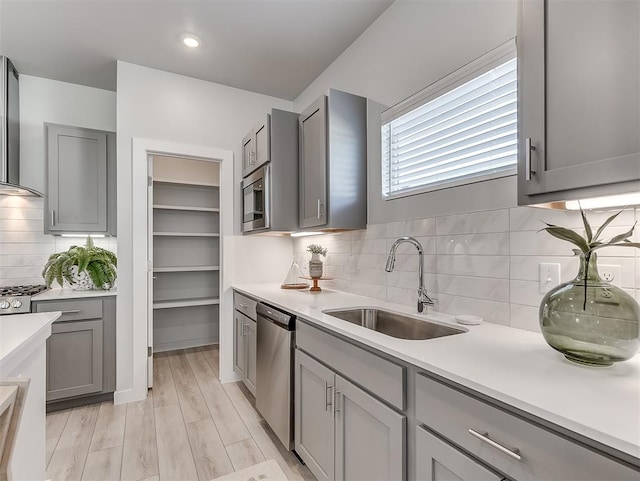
82 281
589 320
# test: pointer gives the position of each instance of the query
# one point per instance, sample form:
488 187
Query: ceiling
273 47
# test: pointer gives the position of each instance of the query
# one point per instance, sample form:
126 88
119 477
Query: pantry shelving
186 253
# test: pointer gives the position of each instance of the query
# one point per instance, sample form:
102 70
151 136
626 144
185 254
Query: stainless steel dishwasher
274 372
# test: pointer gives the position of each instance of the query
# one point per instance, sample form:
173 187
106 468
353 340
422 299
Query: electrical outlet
611 273
549 276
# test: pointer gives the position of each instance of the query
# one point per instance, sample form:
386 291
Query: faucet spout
423 297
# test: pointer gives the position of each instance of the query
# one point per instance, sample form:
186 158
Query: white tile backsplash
482 263
24 248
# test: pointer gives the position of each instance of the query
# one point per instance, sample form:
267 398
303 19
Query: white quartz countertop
57 294
510 365
20 335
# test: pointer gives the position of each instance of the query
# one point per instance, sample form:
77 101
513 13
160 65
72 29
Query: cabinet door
262 143
239 354
313 164
437 460
74 359
250 348
314 424
370 437
248 152
77 181
579 92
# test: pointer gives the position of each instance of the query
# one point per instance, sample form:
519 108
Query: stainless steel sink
394 324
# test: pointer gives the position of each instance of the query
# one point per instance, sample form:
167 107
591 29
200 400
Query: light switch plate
549 276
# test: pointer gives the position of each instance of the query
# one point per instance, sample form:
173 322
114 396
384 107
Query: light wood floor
190 427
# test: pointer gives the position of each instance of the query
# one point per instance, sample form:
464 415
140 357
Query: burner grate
30 290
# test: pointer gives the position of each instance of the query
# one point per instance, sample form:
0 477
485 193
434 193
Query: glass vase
589 320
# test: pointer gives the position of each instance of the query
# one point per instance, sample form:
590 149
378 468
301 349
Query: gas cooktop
17 299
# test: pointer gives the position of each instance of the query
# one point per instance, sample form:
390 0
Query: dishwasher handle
281 318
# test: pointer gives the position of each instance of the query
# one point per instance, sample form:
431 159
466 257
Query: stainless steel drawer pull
514 453
72 311
53 217
336 409
527 158
244 306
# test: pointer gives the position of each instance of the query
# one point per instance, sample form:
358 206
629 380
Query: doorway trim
141 150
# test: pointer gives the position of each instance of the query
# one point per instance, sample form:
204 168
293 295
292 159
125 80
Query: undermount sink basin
394 324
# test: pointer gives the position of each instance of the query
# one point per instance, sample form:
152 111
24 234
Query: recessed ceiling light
191 41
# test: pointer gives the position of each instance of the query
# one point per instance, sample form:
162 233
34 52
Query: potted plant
315 264
587 319
83 267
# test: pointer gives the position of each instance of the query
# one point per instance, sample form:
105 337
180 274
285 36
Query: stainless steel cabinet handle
53 217
319 208
336 395
484 436
528 147
243 305
72 311
327 398
244 329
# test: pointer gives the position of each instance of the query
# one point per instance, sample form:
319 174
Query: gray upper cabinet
273 143
333 162
579 99
256 149
81 181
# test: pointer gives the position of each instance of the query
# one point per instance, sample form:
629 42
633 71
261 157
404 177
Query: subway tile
410 263
475 222
526 293
365 261
474 244
20 272
490 311
414 228
370 290
21 281
375 231
9 213
403 296
480 266
373 246
409 280
21 225
525 317
476 287
23 237
27 248
21 202
23 260
428 246
527 268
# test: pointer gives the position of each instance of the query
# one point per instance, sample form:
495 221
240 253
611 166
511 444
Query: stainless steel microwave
255 200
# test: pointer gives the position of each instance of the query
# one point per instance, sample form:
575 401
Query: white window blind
462 129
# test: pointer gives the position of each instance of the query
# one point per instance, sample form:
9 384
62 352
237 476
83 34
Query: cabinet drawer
381 377
73 309
244 304
543 454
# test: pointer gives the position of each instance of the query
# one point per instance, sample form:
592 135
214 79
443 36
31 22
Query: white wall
411 45
43 100
163 106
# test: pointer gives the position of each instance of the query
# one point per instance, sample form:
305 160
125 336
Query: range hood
10 132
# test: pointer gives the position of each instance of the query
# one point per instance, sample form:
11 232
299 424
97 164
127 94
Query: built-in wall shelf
186 182
186 234
185 221
198 301
186 207
186 269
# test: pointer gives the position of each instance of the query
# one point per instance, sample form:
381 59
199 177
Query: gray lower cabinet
74 359
342 432
244 353
579 92
370 437
81 351
437 460
81 180
314 422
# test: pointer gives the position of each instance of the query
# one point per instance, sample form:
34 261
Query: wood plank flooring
190 428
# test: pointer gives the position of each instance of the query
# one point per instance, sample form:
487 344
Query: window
461 129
